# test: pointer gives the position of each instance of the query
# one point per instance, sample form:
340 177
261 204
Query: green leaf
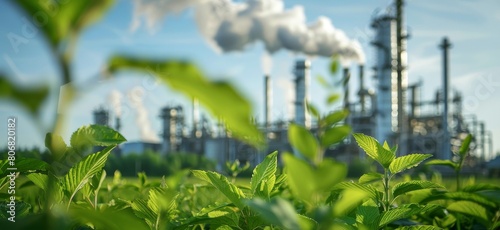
305 180
465 146
460 196
161 201
368 189
233 193
448 163
385 155
402 212
30 98
367 214
335 135
25 166
214 216
141 210
302 140
40 180
406 162
277 211
21 208
56 145
334 117
334 65
332 98
480 187
65 19
350 199
368 144
370 177
471 209
413 185
265 173
312 110
220 98
106 219
83 171
95 135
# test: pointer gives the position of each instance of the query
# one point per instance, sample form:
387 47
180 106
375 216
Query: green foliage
301 139
30 98
216 96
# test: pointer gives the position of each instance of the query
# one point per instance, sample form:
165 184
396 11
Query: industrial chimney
345 84
101 116
301 96
267 101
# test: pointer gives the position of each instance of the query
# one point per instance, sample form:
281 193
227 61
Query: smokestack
267 100
301 94
445 45
362 91
101 117
415 99
117 124
196 117
345 84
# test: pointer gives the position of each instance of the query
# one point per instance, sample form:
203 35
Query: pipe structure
362 91
196 118
445 46
301 92
345 84
401 77
267 101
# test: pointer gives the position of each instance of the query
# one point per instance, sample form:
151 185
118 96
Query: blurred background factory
392 111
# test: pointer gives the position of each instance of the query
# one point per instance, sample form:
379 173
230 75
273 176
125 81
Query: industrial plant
392 111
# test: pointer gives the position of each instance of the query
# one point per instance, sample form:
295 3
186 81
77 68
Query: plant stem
386 190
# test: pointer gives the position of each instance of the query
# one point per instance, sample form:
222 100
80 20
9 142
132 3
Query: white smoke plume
135 96
232 26
267 63
115 99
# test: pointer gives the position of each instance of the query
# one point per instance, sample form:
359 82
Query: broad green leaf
306 222
233 193
141 210
448 163
471 209
95 135
265 173
277 211
368 144
406 162
56 145
367 214
64 19
83 171
30 98
305 180
21 209
465 145
402 212
27 165
302 140
413 185
214 216
334 117
40 180
461 196
334 135
368 189
385 155
106 219
220 98
370 177
332 99
161 201
480 187
312 110
349 200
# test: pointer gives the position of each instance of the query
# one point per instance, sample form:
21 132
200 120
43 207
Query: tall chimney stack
445 45
301 92
267 101
362 90
345 84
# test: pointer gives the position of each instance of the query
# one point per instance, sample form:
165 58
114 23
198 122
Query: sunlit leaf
233 193
448 163
471 209
302 140
406 162
370 177
95 135
265 172
277 211
220 98
335 135
413 185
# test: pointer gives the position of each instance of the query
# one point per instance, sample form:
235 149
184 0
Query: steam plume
232 26
115 99
267 63
135 96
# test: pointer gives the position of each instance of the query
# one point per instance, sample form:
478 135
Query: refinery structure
392 111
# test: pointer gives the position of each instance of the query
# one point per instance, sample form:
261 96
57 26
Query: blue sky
472 27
